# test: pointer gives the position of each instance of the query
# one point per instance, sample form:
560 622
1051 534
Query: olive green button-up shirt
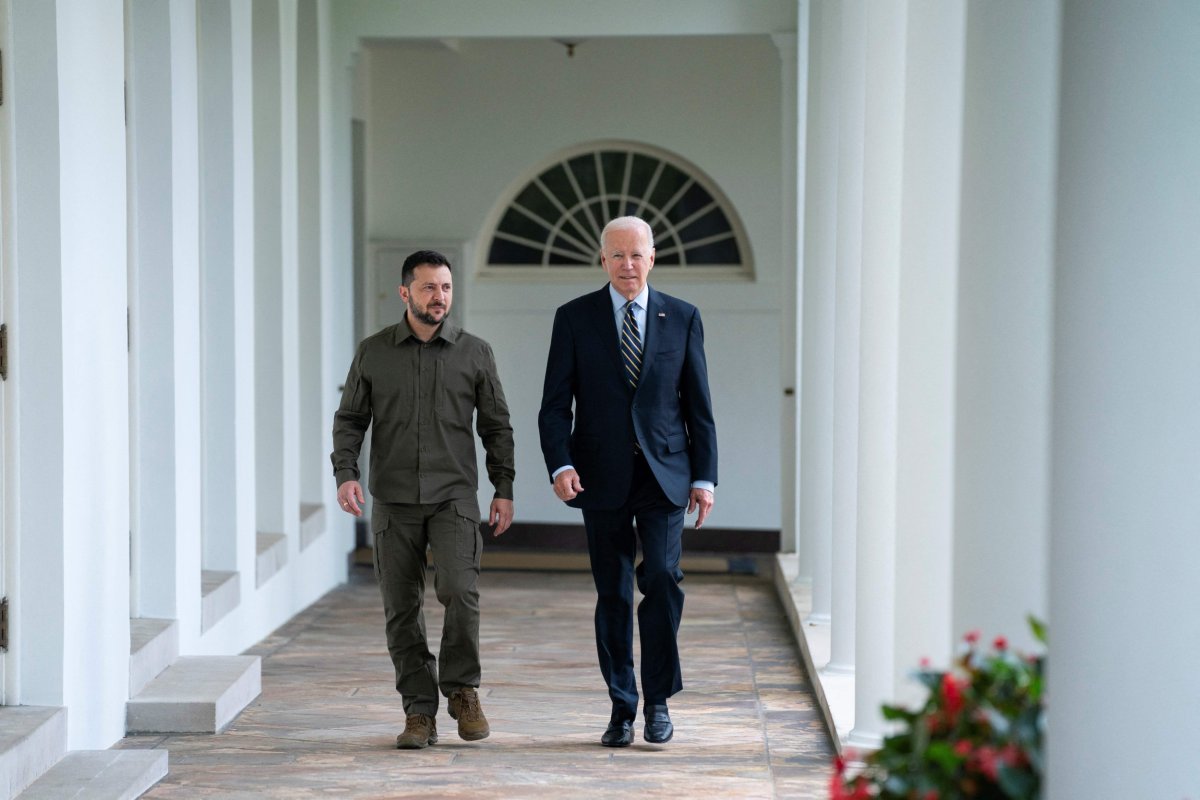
419 398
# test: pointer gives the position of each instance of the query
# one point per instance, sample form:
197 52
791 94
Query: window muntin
553 221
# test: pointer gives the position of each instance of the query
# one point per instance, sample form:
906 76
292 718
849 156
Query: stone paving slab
326 721
99 775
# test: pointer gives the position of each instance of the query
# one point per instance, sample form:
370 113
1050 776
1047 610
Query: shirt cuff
707 486
559 471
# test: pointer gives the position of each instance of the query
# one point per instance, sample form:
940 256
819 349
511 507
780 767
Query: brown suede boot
420 730
464 707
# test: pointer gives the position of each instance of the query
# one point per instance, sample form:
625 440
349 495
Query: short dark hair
432 257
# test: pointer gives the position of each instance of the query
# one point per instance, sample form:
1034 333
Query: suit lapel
606 325
654 323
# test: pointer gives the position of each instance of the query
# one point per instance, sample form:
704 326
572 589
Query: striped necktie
631 346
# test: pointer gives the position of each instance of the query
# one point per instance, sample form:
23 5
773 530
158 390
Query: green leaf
1017 783
1038 628
894 713
942 754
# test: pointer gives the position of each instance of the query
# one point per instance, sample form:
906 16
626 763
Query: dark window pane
613 164
694 199
639 177
723 252
518 224
585 223
584 169
670 244
576 259
709 224
556 181
533 198
629 209
503 252
668 184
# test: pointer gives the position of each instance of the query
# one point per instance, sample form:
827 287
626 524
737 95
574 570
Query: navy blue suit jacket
669 415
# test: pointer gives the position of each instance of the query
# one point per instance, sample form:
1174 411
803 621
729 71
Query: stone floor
745 724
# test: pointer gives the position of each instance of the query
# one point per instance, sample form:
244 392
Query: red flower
987 762
1011 755
924 662
962 748
952 694
1001 643
971 637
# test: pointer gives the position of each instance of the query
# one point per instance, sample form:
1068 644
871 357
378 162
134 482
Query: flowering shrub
978 735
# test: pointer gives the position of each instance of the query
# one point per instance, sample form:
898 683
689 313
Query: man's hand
700 499
350 498
500 516
567 485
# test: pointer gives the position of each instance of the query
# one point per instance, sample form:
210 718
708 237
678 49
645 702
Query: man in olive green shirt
417 384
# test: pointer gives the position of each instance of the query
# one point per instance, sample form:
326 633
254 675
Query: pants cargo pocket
467 539
379 526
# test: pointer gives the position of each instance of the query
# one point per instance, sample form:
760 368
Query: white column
1125 466
268 267
164 305
313 456
817 292
244 236
850 89
1004 329
927 352
874 657
909 282
33 247
218 286
289 283
94 486
337 246
789 471
185 156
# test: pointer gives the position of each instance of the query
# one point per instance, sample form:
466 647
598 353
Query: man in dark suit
643 447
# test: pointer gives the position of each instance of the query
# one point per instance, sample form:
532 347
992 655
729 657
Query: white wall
451 130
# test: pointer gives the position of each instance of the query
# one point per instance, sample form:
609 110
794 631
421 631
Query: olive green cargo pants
450 530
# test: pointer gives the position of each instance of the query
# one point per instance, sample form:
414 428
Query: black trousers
612 545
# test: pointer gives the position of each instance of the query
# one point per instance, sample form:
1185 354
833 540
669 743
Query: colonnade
998 376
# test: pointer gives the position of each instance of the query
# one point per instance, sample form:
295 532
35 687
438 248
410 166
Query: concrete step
272 555
100 775
153 645
221 592
196 694
32 739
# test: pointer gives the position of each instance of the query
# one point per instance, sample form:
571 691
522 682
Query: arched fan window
553 220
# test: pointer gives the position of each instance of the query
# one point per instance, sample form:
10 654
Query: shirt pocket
454 394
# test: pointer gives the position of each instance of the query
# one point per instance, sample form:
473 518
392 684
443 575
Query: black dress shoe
658 725
619 734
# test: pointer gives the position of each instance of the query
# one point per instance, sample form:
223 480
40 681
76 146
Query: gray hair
628 222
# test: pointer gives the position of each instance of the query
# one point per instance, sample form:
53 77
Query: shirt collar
619 302
446 331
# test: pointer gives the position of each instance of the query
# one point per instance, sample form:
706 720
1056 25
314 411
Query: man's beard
424 316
